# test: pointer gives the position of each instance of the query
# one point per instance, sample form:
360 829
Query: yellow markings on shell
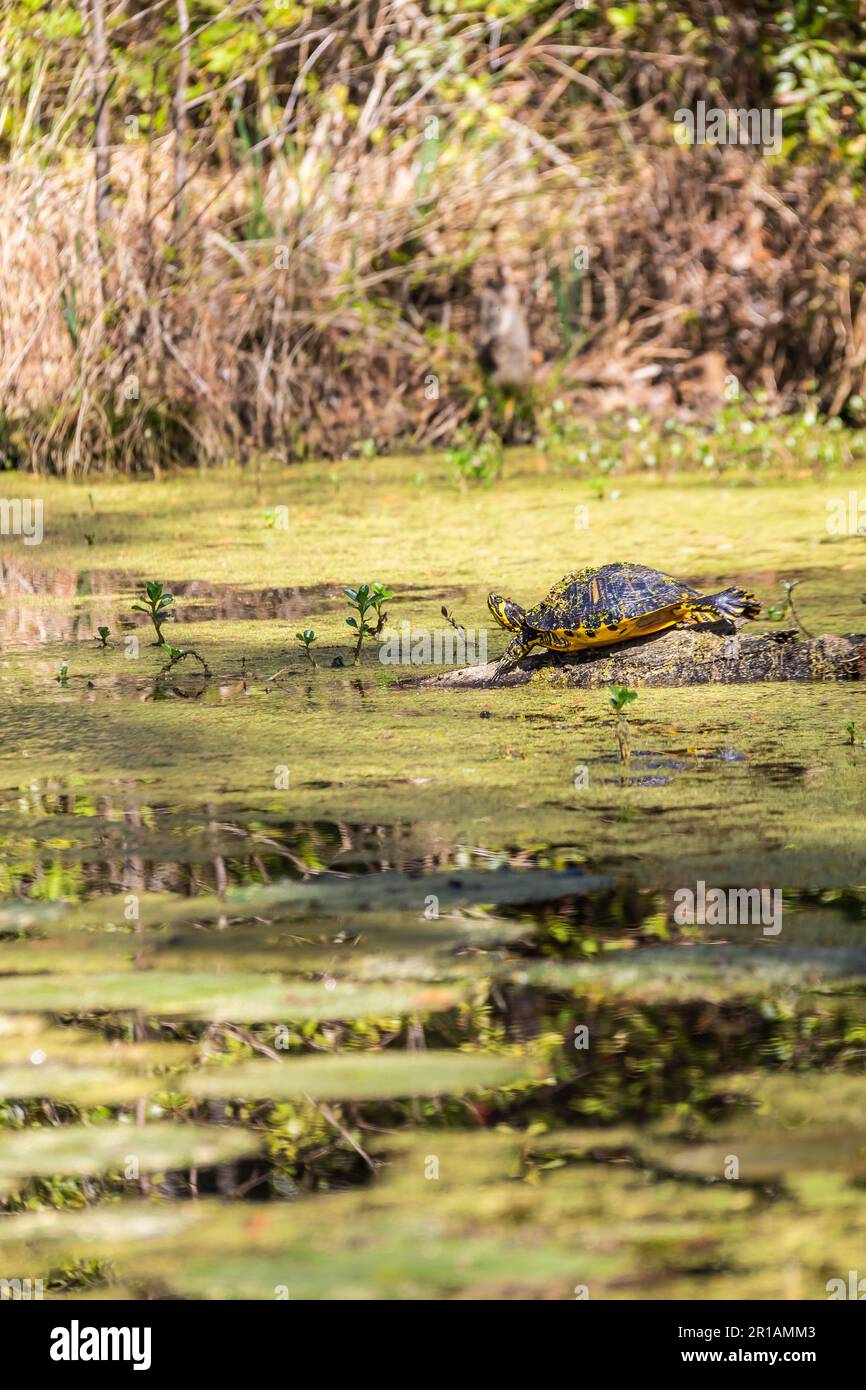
580 638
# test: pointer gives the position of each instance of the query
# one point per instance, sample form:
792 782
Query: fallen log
679 658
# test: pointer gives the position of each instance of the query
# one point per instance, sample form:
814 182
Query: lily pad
714 973
89 1149
359 1076
238 998
78 1085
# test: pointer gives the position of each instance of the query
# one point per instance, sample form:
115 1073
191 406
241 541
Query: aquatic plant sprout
620 697
366 599
155 605
779 611
307 638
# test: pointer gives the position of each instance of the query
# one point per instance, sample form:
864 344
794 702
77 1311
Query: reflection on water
89 599
113 843
83 844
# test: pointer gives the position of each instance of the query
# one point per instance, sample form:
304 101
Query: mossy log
681 658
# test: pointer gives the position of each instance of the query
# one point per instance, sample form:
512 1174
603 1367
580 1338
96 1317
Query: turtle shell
595 598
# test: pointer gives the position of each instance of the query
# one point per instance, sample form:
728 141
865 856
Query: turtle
614 603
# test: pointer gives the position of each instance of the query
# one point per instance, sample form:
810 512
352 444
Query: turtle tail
734 603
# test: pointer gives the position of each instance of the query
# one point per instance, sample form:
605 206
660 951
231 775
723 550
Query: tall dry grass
309 279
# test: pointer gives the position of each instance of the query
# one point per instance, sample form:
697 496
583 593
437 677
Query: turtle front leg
514 652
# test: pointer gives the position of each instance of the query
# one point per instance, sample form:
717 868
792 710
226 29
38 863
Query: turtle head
507 613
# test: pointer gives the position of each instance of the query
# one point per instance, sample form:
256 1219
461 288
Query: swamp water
318 985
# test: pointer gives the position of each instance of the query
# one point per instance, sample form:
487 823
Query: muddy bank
680 658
